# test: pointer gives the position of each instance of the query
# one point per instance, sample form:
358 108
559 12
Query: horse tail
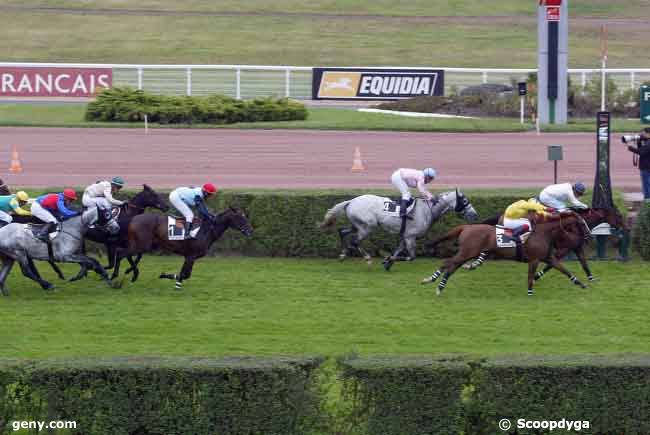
450 235
329 221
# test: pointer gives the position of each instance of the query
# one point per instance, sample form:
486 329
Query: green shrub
642 231
172 395
129 105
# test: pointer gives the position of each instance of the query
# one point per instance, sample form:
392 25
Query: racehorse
474 239
592 217
18 243
367 212
146 198
148 231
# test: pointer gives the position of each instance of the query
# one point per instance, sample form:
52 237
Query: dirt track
299 159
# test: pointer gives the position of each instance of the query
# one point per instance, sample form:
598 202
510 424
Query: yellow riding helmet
22 196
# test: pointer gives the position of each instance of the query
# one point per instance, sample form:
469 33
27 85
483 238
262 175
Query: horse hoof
342 257
438 292
369 262
530 292
388 265
592 278
47 286
426 280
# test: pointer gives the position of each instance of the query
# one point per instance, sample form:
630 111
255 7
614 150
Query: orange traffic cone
15 162
357 164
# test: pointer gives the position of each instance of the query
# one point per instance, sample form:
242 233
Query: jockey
563 196
45 205
13 204
184 198
405 178
101 194
516 216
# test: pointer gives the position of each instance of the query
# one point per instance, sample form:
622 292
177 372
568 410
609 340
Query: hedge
612 393
642 231
130 105
286 222
166 395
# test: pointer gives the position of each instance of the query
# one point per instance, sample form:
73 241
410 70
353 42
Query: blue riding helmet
579 187
429 172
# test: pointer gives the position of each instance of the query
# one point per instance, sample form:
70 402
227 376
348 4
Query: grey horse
367 212
18 243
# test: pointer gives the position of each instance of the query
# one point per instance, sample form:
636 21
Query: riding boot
44 233
188 230
404 203
516 235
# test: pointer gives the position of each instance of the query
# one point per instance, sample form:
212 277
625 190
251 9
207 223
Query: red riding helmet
209 188
69 194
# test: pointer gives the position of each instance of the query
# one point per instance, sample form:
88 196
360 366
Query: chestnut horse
474 239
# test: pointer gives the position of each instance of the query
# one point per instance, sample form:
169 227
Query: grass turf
72 115
263 306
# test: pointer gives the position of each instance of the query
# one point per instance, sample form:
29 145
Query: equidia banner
375 84
53 82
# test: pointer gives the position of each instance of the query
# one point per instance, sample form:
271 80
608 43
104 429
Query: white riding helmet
429 172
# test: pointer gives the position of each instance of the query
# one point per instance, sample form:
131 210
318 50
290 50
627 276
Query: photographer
641 158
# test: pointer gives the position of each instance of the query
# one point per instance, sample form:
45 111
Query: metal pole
521 109
554 171
189 82
238 84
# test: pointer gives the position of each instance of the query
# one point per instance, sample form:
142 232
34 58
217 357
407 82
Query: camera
635 138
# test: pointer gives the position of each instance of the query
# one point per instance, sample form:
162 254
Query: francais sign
53 82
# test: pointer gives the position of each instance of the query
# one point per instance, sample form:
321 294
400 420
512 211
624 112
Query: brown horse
149 231
474 239
570 242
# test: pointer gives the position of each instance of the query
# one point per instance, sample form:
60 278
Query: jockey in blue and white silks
186 198
563 196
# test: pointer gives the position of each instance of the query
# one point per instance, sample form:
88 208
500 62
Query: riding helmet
118 181
22 196
69 194
579 187
209 188
429 172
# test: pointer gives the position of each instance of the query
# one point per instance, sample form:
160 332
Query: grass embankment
262 306
72 115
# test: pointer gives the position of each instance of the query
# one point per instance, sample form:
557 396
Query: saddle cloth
392 207
176 228
505 239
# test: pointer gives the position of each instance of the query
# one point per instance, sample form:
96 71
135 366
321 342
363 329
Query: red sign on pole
53 82
552 13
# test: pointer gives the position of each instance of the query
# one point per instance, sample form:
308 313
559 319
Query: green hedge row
163 396
374 396
286 222
642 231
130 105
450 396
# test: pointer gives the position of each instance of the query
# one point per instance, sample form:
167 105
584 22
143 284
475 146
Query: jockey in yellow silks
516 215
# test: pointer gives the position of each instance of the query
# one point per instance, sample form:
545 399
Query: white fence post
287 82
485 77
140 78
238 84
632 79
189 82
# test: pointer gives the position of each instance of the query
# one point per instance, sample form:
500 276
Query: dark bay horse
475 239
571 242
136 206
149 231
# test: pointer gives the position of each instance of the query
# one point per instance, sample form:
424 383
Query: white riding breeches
515 223
91 201
42 213
399 183
180 205
5 217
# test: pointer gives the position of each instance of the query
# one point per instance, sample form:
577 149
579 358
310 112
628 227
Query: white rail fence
251 81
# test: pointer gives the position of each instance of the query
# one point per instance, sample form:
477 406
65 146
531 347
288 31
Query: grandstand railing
251 81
